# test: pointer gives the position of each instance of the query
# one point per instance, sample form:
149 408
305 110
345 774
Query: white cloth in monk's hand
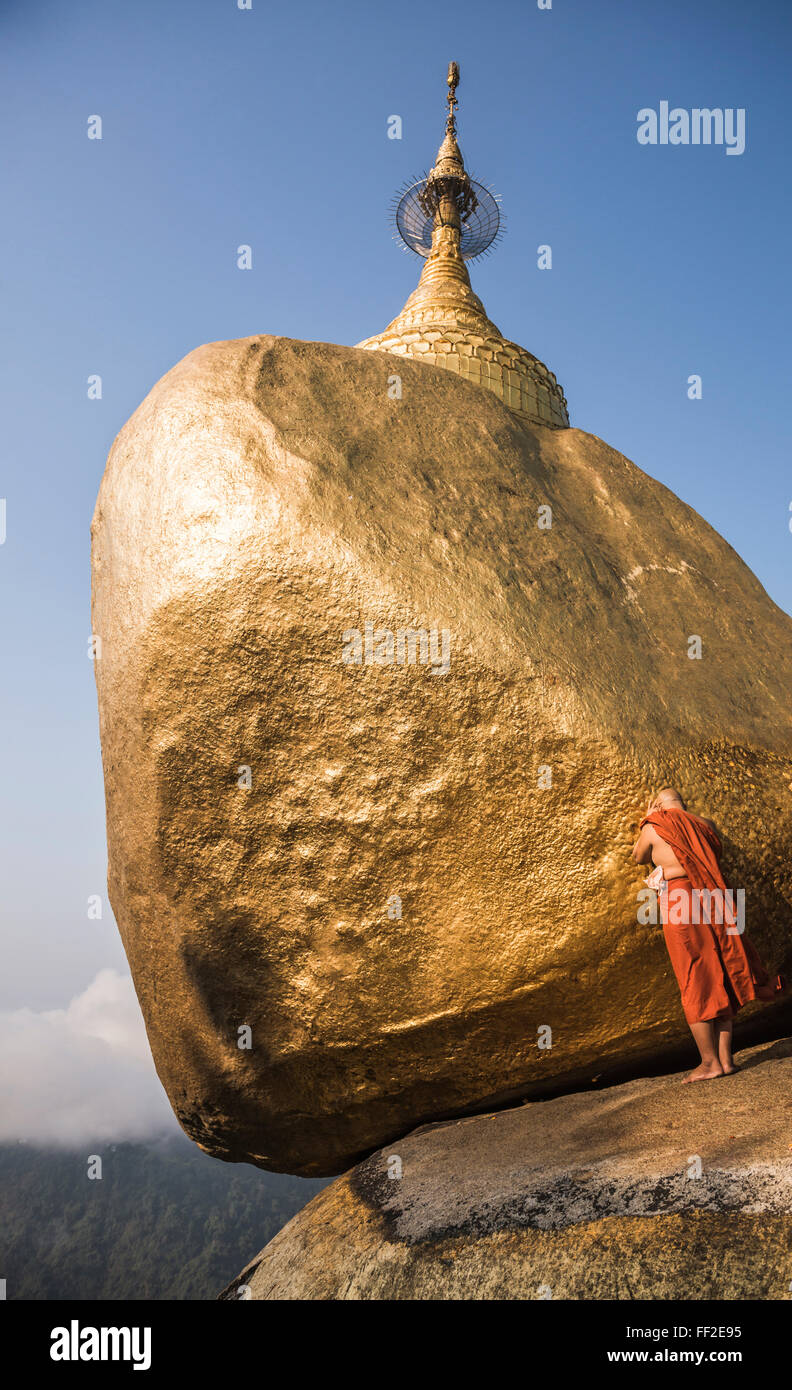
656 880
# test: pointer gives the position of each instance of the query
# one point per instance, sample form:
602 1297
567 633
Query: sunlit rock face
377 729
638 1191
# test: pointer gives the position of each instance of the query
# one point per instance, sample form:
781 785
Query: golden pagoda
443 322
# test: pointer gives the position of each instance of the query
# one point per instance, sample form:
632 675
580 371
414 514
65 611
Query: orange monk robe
717 971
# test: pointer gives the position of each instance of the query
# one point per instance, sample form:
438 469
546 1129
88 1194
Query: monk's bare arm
642 849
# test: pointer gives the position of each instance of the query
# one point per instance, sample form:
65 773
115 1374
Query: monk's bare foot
729 1070
706 1072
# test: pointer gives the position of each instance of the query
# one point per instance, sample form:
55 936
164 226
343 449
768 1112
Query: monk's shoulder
705 820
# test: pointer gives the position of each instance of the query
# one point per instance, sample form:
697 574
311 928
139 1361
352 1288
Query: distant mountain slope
164 1221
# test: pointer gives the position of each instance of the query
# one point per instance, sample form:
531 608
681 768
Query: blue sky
268 127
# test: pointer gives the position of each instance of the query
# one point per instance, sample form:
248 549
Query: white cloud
82 1075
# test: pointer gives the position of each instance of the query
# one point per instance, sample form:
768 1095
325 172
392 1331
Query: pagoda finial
447 195
449 163
453 83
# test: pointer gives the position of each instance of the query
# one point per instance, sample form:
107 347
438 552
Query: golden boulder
386 679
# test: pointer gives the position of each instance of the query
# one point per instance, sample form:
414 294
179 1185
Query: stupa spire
449 150
448 200
453 83
449 218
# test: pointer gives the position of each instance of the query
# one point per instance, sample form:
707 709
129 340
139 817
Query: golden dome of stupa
443 322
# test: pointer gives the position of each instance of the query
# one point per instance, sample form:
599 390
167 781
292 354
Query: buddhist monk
717 968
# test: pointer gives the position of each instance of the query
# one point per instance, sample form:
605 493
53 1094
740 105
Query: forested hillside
164 1221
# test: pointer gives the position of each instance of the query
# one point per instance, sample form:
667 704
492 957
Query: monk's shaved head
669 797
